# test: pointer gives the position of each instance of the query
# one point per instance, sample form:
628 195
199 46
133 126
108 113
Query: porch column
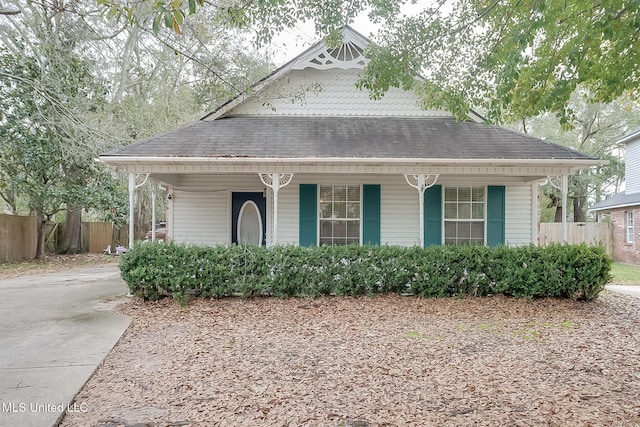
153 212
563 186
565 190
421 182
132 188
275 181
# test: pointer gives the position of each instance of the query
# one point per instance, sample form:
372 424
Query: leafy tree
595 129
510 59
38 153
51 98
90 87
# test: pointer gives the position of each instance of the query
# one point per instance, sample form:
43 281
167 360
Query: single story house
305 158
624 208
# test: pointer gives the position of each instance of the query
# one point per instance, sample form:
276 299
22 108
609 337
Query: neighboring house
624 208
308 159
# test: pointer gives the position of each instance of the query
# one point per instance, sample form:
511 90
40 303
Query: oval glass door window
249 224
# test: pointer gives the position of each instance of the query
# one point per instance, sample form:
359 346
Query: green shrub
154 270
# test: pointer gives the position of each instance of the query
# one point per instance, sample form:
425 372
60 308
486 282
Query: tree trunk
9 197
71 239
558 215
555 201
42 229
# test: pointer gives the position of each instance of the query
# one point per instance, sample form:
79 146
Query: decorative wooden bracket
275 181
421 182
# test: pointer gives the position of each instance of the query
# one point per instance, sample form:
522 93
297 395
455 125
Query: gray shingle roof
617 201
347 137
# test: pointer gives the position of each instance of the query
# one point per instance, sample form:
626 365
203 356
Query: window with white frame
339 214
629 226
464 215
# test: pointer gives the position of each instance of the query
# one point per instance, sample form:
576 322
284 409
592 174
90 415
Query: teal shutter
308 235
495 215
371 214
433 216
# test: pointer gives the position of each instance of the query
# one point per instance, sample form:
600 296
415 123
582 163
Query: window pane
477 230
325 210
450 230
353 210
339 241
464 210
478 211
450 194
326 241
326 229
340 210
353 230
464 194
478 194
353 193
339 229
464 231
326 194
340 194
451 210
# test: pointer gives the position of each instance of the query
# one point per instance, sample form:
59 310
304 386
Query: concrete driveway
55 329
632 290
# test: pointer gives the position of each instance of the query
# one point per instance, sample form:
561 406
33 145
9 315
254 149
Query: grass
625 274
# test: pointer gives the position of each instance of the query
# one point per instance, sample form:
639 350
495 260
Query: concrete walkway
632 290
55 329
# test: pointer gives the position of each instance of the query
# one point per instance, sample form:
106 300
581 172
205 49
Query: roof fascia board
630 137
616 206
369 160
533 168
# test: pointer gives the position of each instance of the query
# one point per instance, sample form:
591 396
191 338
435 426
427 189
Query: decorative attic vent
347 55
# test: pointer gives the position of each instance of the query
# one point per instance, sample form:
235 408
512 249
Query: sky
292 42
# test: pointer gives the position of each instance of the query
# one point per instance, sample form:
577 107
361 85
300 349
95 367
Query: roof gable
329 92
321 81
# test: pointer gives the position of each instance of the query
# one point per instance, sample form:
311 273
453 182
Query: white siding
400 213
201 207
398 210
632 167
288 212
329 93
518 220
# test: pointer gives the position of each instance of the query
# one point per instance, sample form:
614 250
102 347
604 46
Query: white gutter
351 160
630 136
608 208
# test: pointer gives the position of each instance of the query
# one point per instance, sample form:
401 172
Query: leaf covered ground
52 264
382 361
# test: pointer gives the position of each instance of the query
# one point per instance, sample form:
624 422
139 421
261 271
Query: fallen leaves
379 361
53 263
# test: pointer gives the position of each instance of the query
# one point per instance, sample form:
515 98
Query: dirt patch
387 360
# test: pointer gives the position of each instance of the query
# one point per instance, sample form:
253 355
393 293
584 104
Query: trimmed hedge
153 270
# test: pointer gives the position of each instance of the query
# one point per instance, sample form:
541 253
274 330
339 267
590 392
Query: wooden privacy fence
94 236
590 233
18 237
